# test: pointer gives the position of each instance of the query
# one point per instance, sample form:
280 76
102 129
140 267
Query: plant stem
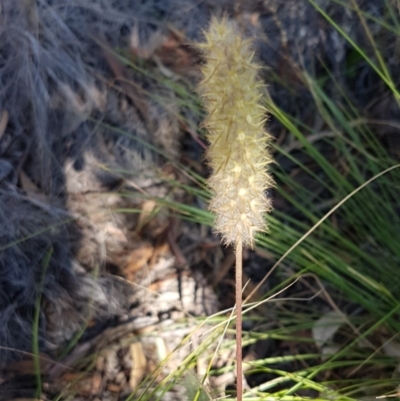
239 369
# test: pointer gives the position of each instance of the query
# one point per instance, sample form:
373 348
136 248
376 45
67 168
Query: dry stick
239 284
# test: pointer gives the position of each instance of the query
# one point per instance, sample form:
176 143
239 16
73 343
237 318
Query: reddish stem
239 368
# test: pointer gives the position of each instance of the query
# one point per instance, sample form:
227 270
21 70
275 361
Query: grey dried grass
52 74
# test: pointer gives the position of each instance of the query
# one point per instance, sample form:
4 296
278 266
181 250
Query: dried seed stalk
237 154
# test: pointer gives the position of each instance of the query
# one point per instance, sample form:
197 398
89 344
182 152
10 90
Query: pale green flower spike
238 156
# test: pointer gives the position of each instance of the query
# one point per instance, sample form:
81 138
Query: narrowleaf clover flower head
238 143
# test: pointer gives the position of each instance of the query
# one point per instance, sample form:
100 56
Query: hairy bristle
238 156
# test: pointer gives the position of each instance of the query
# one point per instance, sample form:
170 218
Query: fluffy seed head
238 142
